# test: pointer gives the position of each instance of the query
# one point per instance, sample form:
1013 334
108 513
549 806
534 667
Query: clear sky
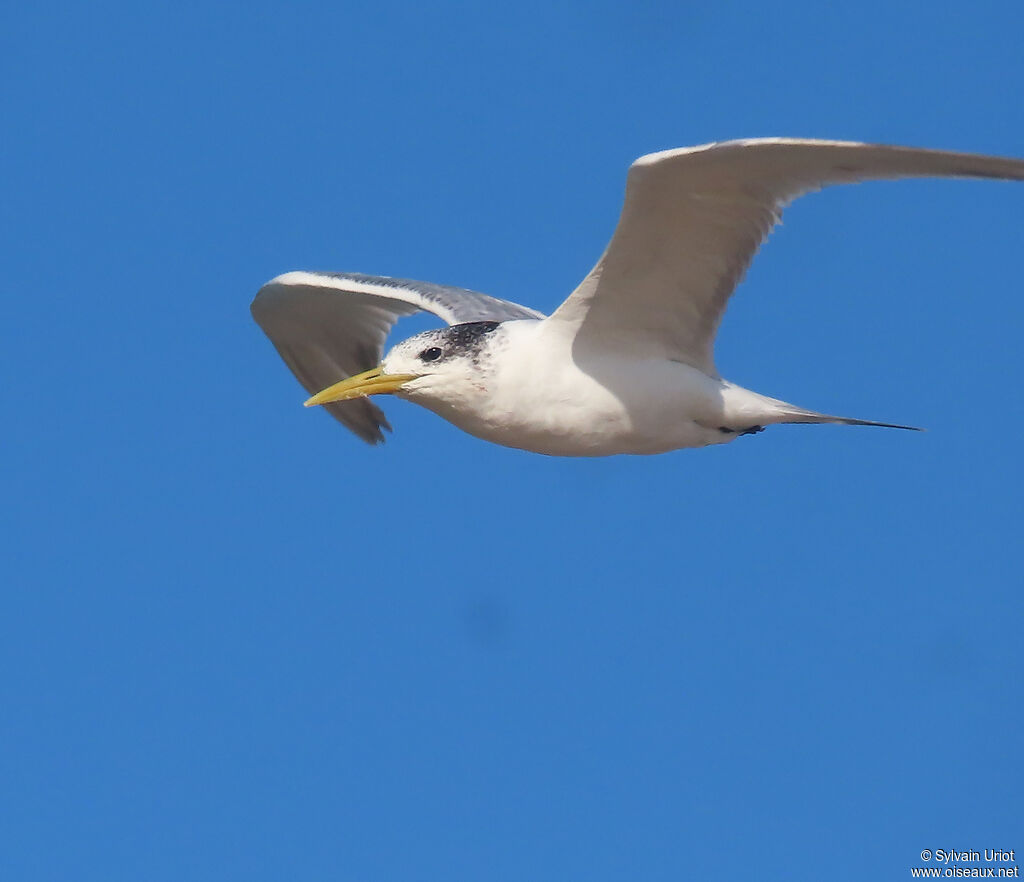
237 643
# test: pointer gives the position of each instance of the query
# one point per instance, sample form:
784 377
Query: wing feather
694 218
329 326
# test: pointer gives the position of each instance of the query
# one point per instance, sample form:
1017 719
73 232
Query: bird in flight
625 364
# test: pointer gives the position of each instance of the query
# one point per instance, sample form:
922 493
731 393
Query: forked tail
743 408
798 415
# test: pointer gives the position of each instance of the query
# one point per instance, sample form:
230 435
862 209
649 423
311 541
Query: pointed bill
371 382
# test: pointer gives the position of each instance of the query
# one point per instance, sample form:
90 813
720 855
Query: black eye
431 354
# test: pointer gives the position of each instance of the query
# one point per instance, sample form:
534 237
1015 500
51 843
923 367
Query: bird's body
625 364
527 389
545 399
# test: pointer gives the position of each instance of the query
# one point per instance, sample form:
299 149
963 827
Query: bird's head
437 367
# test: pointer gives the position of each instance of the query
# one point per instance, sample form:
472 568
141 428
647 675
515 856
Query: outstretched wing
694 218
329 326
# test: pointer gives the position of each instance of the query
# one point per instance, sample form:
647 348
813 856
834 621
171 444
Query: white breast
546 395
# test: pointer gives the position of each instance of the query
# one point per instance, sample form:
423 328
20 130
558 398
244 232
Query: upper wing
694 218
329 326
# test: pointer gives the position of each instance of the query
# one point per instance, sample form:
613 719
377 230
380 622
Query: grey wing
329 326
694 218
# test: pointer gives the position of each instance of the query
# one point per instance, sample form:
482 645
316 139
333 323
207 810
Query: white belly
629 406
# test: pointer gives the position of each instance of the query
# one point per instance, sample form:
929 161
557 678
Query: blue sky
237 643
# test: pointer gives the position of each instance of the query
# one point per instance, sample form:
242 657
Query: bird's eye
431 354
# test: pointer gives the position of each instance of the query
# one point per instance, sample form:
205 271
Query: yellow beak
371 382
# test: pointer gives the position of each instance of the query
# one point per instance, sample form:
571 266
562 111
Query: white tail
743 408
799 415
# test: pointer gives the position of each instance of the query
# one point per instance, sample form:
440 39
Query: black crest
461 340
